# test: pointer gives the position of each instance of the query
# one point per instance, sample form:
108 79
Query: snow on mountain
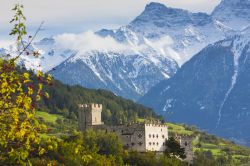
158 38
190 32
211 90
233 13
153 45
128 69
50 55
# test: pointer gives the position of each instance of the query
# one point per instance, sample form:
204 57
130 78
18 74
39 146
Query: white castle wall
156 136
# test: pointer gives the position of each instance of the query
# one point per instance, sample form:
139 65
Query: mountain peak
233 13
235 1
159 17
155 5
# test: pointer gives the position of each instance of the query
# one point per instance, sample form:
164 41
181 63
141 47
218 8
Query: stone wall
89 115
132 136
186 143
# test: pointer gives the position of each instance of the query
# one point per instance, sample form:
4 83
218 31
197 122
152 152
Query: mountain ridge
212 87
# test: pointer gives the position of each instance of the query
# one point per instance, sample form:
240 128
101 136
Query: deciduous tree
19 129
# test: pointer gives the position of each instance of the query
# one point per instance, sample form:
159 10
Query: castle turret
186 143
89 115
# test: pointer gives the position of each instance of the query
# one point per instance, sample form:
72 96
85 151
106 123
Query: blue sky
76 16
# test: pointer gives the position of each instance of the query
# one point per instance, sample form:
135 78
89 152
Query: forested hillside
64 100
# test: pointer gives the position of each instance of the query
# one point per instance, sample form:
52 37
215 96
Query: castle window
163 136
140 143
150 143
149 135
132 143
153 143
157 136
161 129
186 144
153 135
163 144
140 135
157 143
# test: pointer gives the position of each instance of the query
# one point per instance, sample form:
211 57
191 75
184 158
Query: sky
77 16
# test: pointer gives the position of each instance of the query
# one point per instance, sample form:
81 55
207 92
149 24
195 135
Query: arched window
149 135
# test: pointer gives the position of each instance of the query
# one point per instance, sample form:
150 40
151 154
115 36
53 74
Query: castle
141 137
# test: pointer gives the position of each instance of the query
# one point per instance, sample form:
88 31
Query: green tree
204 158
107 144
173 148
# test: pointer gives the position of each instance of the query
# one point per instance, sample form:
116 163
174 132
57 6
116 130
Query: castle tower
89 115
186 143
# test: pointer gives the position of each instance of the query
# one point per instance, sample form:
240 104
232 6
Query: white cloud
89 41
164 46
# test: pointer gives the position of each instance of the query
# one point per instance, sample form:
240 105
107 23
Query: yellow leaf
46 94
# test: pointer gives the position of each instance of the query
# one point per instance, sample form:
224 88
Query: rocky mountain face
128 75
158 41
50 55
233 13
189 32
211 90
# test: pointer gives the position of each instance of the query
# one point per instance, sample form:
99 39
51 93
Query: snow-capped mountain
50 55
190 32
211 90
132 59
155 40
129 73
233 13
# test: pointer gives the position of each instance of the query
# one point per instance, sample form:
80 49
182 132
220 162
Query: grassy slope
206 142
50 118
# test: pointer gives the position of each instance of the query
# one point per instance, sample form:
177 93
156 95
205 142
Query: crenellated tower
89 115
